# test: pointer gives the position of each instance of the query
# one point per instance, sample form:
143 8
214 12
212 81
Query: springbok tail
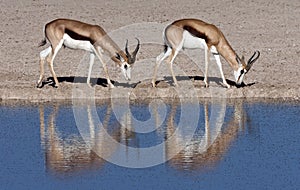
43 42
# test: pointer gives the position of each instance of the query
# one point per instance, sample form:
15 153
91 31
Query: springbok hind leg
43 55
41 78
50 62
172 57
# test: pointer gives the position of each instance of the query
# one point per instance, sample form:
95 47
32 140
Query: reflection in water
212 139
72 153
208 149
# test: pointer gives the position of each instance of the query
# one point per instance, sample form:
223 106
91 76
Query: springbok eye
242 72
125 66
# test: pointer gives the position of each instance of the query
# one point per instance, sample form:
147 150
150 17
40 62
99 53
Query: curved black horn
137 48
126 49
253 58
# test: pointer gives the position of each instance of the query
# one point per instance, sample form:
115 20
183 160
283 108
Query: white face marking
239 75
126 70
192 42
77 44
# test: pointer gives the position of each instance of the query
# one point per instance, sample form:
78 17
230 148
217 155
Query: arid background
271 26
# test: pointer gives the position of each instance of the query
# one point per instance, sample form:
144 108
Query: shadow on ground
168 79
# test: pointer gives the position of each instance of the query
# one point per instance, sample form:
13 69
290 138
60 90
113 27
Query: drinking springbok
92 38
195 34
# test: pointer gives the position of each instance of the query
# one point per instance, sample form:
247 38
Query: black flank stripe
76 36
195 32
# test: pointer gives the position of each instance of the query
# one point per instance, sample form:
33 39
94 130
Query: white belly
192 42
77 44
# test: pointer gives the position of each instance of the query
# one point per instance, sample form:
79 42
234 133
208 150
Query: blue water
258 147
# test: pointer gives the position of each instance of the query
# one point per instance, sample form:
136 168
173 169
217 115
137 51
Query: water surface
235 145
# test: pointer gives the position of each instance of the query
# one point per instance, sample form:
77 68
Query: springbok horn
136 49
126 49
253 58
131 57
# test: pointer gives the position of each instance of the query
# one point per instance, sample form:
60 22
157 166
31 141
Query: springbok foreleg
98 50
206 51
159 59
218 60
92 59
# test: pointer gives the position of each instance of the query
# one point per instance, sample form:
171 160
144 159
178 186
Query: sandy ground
271 26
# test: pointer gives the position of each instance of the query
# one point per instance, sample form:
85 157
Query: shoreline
65 94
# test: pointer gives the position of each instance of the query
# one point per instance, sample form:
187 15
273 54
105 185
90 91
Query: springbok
195 34
92 38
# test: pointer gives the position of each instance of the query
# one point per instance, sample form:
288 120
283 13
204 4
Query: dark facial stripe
240 76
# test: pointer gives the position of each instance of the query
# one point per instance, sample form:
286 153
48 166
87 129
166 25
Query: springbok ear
243 58
243 62
118 56
238 60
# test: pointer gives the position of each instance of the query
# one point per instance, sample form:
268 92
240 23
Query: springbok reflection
206 150
85 150
72 153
